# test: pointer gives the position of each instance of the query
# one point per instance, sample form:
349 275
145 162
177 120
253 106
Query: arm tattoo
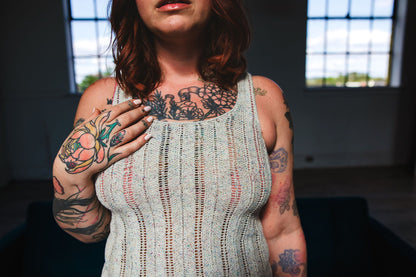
282 199
109 101
73 210
288 116
291 262
295 208
278 160
57 187
274 269
192 103
260 91
79 122
87 144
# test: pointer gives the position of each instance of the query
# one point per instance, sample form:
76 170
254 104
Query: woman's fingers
131 117
124 107
130 147
128 134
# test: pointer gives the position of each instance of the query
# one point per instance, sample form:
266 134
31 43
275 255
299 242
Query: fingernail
137 101
147 108
148 136
149 119
93 110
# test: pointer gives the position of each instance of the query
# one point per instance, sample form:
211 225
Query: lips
167 2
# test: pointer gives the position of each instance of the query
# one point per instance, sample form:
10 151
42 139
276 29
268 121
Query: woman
189 171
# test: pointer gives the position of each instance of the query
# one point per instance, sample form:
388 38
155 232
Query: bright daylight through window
349 43
91 34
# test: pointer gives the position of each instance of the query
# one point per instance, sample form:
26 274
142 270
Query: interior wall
38 109
4 170
332 128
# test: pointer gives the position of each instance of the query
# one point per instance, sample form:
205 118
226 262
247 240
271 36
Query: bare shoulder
100 90
99 95
269 96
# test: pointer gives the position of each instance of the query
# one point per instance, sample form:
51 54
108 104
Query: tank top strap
246 96
120 96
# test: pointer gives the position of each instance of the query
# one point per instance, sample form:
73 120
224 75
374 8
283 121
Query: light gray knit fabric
188 202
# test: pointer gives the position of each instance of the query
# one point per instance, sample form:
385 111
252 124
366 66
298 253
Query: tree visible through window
91 33
349 43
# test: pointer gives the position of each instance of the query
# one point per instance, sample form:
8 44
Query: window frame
69 35
396 45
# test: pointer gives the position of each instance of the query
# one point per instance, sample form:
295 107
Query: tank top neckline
240 91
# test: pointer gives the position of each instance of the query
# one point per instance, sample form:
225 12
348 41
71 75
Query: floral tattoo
87 144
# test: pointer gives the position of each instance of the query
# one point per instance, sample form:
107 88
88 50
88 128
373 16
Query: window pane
383 7
379 69
360 8
316 8
86 72
106 66
314 70
335 70
381 36
83 38
337 36
102 6
357 70
104 37
338 8
82 9
316 35
359 35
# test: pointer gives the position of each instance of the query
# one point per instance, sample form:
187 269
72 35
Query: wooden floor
390 192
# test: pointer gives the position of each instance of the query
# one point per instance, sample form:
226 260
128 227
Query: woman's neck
179 59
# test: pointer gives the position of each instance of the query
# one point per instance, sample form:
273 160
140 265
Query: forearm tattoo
88 144
72 212
79 122
192 103
278 160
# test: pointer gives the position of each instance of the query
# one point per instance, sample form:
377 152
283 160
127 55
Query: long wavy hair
222 61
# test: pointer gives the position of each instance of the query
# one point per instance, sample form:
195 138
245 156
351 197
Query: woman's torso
188 202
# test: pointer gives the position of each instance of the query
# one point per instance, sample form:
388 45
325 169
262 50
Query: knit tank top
188 202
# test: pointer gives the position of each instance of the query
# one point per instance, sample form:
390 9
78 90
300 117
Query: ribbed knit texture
188 202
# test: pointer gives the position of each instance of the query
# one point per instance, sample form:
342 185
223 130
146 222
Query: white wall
336 128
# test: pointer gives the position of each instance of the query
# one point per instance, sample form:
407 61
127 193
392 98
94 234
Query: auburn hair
222 61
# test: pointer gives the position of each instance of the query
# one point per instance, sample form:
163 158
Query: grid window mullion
365 36
88 52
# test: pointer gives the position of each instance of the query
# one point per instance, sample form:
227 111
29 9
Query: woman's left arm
280 218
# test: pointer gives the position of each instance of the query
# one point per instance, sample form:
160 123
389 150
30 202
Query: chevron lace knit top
188 202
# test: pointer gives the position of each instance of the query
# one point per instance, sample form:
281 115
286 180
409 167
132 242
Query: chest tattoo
192 103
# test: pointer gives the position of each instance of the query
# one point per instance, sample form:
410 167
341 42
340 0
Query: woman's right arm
97 141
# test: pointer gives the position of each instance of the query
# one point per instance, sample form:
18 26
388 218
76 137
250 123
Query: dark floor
391 195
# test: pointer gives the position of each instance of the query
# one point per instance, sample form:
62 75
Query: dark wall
335 128
37 109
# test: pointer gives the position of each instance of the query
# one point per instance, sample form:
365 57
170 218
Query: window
349 43
90 35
